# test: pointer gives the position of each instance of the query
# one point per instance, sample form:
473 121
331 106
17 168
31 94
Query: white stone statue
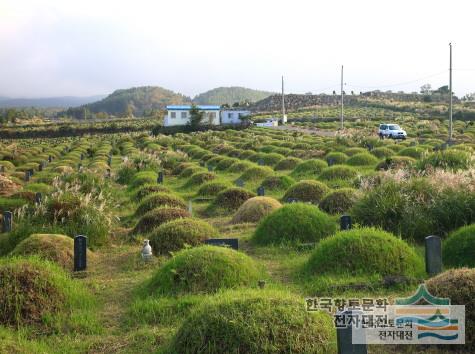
146 250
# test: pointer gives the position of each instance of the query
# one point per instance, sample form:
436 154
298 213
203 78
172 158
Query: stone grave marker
260 162
239 183
80 253
27 176
224 242
38 198
346 331
7 221
433 255
345 222
261 191
160 177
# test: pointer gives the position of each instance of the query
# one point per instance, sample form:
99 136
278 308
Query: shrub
447 160
253 321
204 269
458 285
372 251
231 199
255 209
256 173
52 247
38 292
156 200
339 201
158 216
148 189
288 163
180 233
309 168
336 157
294 223
459 248
395 162
307 191
338 172
362 159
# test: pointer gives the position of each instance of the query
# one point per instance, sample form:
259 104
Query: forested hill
230 95
135 101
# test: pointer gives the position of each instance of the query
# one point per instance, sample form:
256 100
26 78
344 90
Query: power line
401 83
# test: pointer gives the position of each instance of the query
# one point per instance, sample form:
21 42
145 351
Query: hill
230 95
138 99
48 102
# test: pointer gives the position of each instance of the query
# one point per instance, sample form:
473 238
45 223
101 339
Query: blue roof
188 107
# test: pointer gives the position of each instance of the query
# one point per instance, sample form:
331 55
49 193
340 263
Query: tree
443 90
196 116
426 89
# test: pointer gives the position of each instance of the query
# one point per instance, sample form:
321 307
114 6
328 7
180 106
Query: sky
82 48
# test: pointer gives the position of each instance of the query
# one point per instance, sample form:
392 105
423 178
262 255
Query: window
230 115
172 115
184 115
394 127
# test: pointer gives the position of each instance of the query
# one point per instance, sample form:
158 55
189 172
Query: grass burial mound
306 191
288 163
38 292
339 201
199 178
256 173
309 169
338 172
211 189
204 269
229 200
293 224
277 183
157 217
459 248
177 234
53 247
395 162
373 252
336 158
459 286
255 209
156 200
254 321
148 189
362 159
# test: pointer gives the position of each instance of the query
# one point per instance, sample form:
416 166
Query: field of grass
189 296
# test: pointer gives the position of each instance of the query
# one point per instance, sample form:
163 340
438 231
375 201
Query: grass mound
294 223
307 191
382 152
372 251
338 172
395 162
459 286
252 321
200 178
212 189
255 209
339 201
190 171
157 200
204 269
148 189
177 234
354 150
157 217
274 183
459 248
289 163
143 177
362 159
38 292
256 173
52 247
448 160
230 199
309 168
336 158
412 151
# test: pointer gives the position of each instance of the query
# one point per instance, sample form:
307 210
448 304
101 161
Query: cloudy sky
60 48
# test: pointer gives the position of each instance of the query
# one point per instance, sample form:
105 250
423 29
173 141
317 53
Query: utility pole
283 102
450 92
341 91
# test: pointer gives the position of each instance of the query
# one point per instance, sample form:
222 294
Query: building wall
234 119
183 120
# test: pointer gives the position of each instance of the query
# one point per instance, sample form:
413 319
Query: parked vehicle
392 131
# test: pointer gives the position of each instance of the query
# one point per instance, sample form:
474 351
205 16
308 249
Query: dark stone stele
7 221
433 255
38 197
260 191
345 222
292 200
344 334
210 168
160 177
260 162
80 253
240 183
224 242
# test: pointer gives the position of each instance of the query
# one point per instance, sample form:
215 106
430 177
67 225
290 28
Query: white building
233 116
180 115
